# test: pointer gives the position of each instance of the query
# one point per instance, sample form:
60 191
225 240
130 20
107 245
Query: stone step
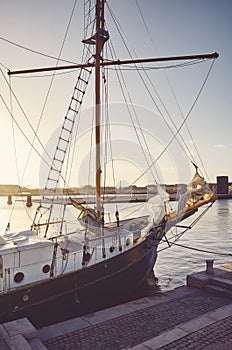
217 290
36 344
221 282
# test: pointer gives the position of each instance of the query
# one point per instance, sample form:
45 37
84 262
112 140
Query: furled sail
156 206
87 215
197 191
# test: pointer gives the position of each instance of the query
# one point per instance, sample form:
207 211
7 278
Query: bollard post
209 266
29 202
9 200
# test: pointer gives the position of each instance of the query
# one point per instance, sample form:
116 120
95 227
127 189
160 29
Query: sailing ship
47 268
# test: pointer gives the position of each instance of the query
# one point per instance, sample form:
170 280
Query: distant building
222 185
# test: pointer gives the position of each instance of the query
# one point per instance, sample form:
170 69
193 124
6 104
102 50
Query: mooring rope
201 250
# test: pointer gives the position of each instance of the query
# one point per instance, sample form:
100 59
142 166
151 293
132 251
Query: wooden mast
99 46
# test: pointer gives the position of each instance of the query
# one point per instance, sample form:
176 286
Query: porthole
128 241
46 268
19 277
25 297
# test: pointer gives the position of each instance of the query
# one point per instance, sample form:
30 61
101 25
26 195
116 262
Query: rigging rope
109 138
132 105
16 161
177 236
181 125
120 81
35 131
201 250
10 111
90 152
107 128
184 119
23 133
53 76
34 51
87 54
21 130
162 67
74 150
174 95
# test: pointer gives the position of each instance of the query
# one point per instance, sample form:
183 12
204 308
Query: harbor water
210 238
213 233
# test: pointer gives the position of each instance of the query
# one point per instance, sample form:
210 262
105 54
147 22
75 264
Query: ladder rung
74 110
66 130
50 179
87 70
62 139
67 118
48 190
81 91
60 149
51 190
85 81
55 170
78 101
58 160
63 128
75 99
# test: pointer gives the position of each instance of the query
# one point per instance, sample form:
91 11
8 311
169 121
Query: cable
177 133
174 95
201 250
171 66
35 132
180 127
30 143
34 51
120 81
1 64
15 152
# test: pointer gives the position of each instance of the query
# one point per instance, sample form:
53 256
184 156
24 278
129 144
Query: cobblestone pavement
3 345
126 331
214 337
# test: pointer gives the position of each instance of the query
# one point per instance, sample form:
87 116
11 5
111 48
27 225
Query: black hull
82 291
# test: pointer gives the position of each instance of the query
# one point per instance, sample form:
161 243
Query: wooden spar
99 45
118 62
194 206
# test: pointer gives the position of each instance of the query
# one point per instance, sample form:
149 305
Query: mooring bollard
209 266
29 202
9 200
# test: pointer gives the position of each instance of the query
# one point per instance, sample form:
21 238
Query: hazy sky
176 27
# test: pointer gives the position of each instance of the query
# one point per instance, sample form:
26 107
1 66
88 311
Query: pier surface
188 317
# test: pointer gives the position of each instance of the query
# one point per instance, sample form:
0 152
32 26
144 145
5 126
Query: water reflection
212 233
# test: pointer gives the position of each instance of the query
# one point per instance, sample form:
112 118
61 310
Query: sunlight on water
212 233
17 214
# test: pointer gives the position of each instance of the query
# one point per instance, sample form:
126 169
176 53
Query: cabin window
19 277
46 268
